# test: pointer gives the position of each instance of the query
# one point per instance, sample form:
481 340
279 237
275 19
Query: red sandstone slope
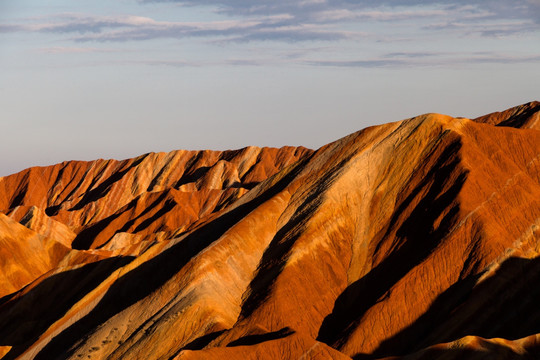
123 207
415 239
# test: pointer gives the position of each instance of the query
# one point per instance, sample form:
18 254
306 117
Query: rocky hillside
417 239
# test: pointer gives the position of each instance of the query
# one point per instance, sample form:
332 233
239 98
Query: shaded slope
524 116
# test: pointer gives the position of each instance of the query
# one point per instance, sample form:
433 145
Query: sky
88 79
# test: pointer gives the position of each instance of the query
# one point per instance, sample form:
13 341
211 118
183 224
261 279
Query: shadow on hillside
518 120
504 305
102 189
200 342
149 276
86 237
259 338
417 237
276 254
26 317
192 176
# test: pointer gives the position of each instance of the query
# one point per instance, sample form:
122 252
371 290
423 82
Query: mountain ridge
364 248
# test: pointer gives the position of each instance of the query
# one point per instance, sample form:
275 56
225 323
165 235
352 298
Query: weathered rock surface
412 240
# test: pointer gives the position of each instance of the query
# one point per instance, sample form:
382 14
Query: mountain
417 239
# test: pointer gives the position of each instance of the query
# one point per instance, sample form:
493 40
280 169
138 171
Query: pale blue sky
87 79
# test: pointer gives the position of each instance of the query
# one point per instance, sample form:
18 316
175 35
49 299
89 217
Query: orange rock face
417 239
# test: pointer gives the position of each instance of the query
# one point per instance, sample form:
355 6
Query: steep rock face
407 240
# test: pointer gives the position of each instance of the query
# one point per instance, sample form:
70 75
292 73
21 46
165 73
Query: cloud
66 50
499 28
369 63
393 60
295 20
305 9
76 23
429 59
374 15
130 28
73 50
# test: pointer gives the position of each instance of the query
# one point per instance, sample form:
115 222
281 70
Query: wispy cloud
375 15
295 20
395 60
73 50
429 59
127 28
305 9
367 63
498 28
350 26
